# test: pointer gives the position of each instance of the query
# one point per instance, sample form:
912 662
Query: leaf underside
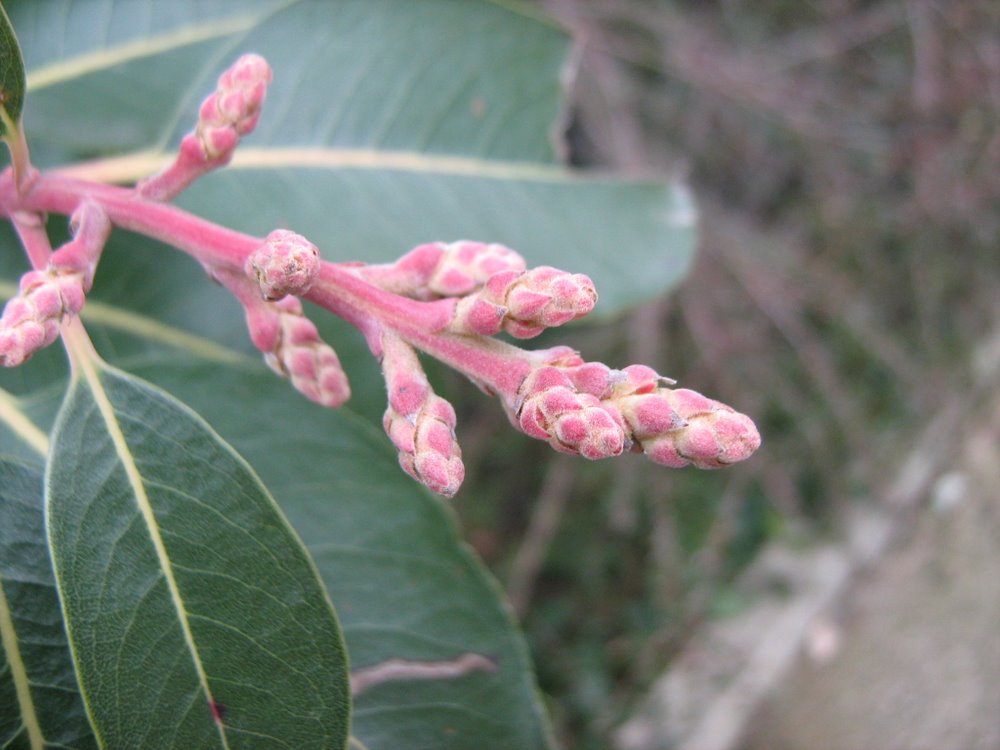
195 616
404 584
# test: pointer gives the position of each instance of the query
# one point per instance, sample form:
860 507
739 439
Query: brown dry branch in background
844 156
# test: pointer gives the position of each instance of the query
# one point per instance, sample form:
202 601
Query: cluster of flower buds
226 115
233 109
584 408
525 303
549 407
441 269
596 411
31 320
464 266
447 300
285 265
420 423
304 358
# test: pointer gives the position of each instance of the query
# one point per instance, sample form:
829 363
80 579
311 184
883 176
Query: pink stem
494 365
211 244
189 164
30 228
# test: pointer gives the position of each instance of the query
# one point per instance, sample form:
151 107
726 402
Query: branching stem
446 299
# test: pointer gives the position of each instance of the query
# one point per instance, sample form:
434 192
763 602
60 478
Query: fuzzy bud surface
710 434
31 320
677 427
233 109
550 408
287 263
524 303
420 423
442 269
464 266
304 358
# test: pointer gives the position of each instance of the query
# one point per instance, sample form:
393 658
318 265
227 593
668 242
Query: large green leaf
195 616
404 584
390 123
40 705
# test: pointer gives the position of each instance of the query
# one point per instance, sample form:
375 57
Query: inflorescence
444 299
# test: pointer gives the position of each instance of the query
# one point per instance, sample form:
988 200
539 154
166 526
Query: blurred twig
545 519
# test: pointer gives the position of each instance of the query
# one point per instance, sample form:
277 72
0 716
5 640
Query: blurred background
845 157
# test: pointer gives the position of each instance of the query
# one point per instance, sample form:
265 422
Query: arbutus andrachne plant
182 609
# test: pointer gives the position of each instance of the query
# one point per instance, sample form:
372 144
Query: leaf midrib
68 69
130 167
86 367
18 422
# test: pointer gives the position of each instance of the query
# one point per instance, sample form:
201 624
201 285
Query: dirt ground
913 661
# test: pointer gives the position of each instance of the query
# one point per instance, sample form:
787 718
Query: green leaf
40 704
12 79
389 123
405 585
195 616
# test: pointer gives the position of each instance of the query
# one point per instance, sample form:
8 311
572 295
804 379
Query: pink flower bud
420 423
524 303
301 355
464 266
287 263
428 450
39 294
680 427
18 343
408 275
233 109
473 314
218 142
595 378
31 320
242 88
596 411
549 297
649 415
550 408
